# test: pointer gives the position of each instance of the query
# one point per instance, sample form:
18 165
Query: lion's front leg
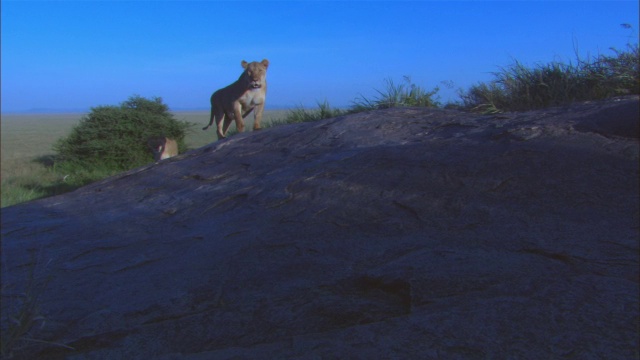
258 116
237 110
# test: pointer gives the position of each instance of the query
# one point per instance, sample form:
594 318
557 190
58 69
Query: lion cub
237 100
162 147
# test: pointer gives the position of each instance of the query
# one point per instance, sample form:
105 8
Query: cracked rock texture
399 233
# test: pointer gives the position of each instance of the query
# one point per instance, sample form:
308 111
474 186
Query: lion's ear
265 62
244 64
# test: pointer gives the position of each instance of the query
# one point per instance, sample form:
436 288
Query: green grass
26 141
301 115
28 181
405 93
519 88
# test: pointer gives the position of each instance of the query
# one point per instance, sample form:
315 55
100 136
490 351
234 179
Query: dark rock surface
402 233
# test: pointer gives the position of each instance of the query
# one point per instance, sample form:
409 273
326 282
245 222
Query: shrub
111 139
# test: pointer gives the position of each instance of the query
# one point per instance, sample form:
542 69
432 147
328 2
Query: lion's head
255 73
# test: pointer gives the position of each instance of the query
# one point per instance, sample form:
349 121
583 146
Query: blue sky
73 55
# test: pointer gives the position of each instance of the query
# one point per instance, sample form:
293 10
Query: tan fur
237 100
162 147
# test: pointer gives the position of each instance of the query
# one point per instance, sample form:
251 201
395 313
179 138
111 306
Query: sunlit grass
301 115
518 87
406 93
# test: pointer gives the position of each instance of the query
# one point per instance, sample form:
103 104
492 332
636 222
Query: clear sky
73 55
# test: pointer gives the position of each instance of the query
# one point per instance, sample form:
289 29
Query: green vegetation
112 139
107 141
520 88
403 94
25 179
29 167
393 95
300 115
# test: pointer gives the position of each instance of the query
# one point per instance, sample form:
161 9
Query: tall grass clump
301 115
111 139
518 87
393 95
405 93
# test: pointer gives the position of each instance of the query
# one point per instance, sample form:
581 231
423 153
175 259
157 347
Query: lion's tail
211 118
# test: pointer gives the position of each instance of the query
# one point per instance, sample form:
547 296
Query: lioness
162 147
237 100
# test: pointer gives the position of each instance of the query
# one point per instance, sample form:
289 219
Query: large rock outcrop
400 233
